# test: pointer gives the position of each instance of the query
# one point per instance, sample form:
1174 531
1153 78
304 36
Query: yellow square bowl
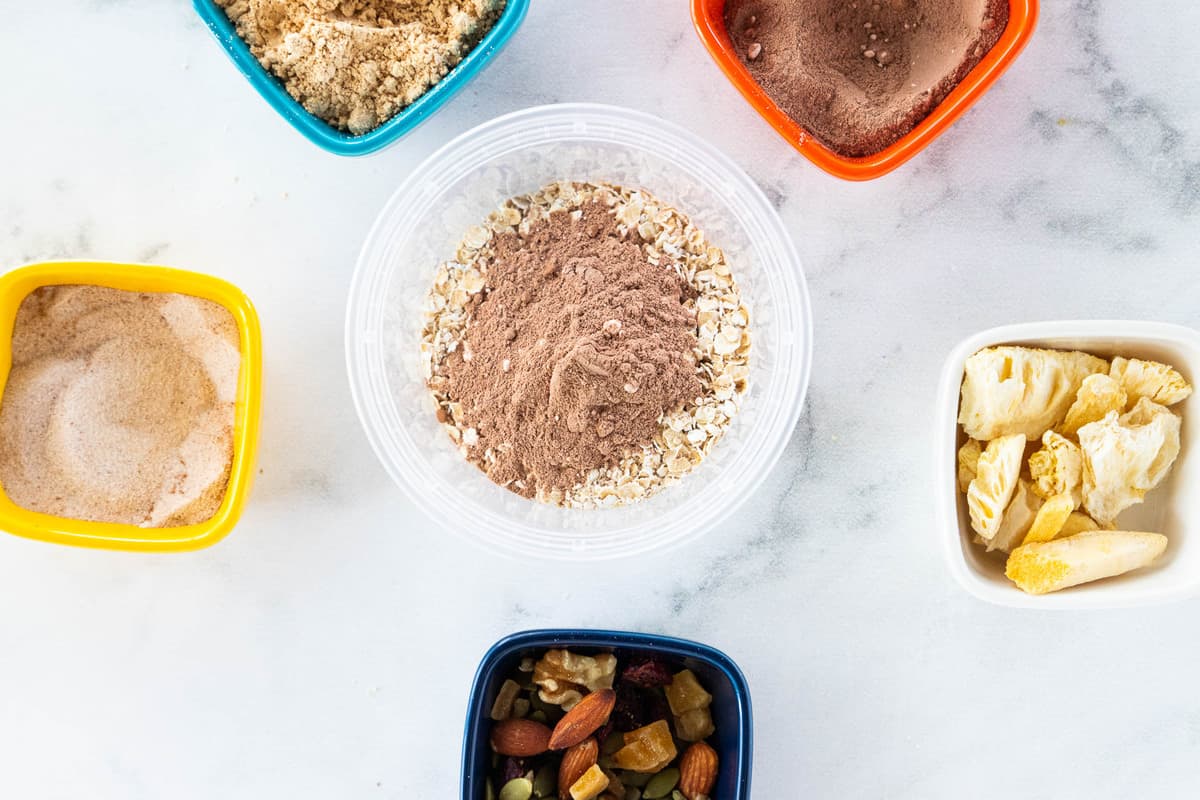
15 286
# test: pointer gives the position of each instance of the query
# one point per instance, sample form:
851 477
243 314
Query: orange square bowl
15 286
709 19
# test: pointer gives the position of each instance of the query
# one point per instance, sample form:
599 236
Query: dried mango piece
1009 390
685 693
1049 566
968 463
1150 379
1058 468
1078 522
1050 519
647 749
1098 395
1124 457
1018 519
590 784
995 481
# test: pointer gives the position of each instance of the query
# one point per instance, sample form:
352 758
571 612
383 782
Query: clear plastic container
456 188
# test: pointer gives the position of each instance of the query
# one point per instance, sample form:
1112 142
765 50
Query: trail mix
567 727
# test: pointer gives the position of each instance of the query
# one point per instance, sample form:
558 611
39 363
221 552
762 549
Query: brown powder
572 354
355 63
861 75
119 406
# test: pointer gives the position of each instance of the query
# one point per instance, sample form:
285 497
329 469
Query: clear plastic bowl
456 188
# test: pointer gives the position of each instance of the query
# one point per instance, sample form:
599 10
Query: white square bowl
1172 509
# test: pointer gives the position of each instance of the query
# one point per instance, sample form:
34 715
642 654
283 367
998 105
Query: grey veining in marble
325 648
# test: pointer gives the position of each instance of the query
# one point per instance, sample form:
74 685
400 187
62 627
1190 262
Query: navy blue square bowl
734 737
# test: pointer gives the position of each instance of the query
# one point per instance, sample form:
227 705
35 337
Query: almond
520 737
588 715
698 771
576 761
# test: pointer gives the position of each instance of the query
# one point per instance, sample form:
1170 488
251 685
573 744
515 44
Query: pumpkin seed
538 716
545 783
614 742
661 784
638 779
677 795
517 789
488 792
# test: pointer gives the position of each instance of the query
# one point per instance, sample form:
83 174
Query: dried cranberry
657 707
512 768
637 708
628 711
647 673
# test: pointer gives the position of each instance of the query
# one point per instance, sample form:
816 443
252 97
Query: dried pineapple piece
968 463
695 725
1009 390
1049 566
1078 522
1050 519
685 693
1098 395
995 481
1150 379
1125 457
1018 519
1057 469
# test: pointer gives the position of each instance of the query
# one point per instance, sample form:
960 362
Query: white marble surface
325 648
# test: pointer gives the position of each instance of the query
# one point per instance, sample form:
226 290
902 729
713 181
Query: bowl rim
16 284
708 21
598 125
946 431
326 136
600 639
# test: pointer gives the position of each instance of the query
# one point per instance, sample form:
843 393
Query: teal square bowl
320 132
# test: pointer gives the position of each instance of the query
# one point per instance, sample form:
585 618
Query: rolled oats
672 241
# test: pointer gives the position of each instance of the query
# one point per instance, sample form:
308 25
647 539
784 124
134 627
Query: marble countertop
326 647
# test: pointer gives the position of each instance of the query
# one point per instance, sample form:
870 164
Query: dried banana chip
995 481
1150 379
968 462
1008 390
1098 395
1049 566
1057 469
1018 519
1078 522
1050 519
1124 457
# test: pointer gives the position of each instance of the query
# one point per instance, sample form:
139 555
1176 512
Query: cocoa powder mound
860 75
573 352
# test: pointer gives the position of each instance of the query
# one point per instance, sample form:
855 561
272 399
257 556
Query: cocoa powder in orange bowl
587 346
859 75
